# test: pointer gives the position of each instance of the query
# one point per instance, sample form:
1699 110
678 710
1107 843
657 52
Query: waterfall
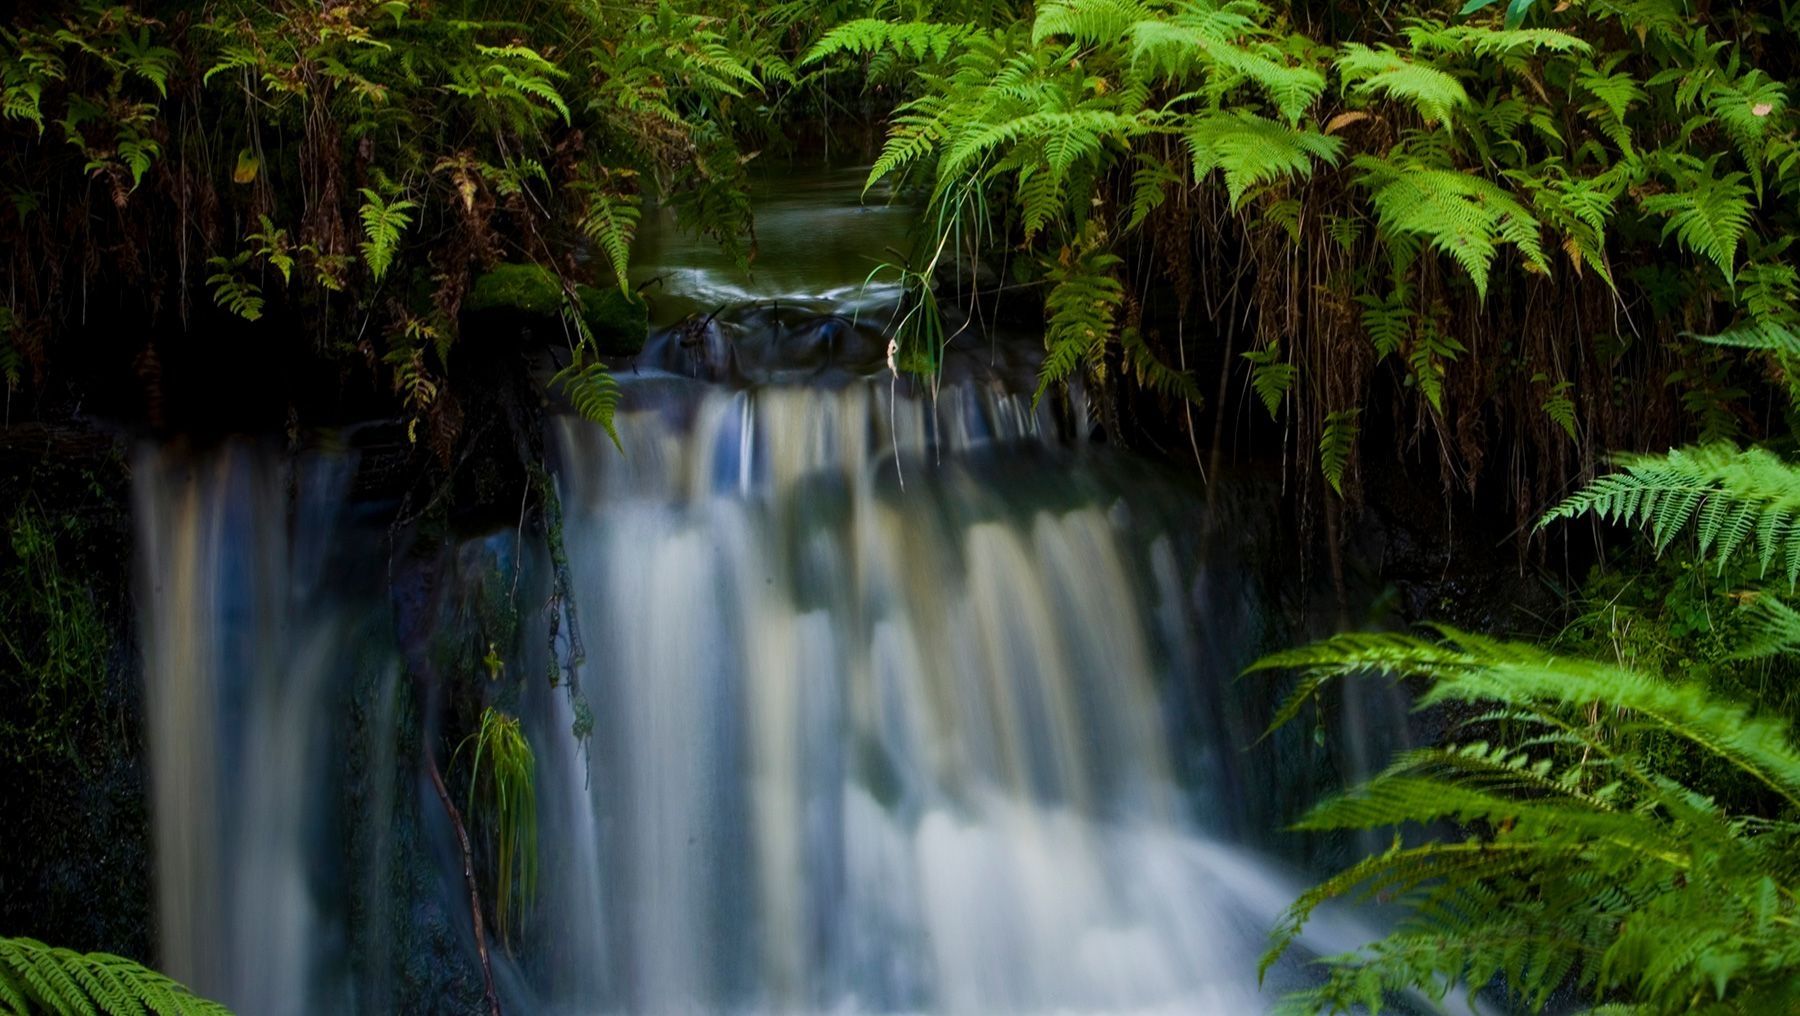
876 734
245 648
897 705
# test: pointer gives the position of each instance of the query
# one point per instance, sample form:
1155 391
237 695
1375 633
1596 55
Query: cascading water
878 704
247 647
866 747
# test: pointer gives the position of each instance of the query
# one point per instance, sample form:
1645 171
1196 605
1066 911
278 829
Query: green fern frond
383 223
1075 134
1460 214
1088 21
231 292
593 392
610 222
35 977
1082 305
1708 215
1765 335
1337 445
1388 321
1727 493
1254 151
1150 185
918 40
1478 40
1270 376
1153 374
1434 93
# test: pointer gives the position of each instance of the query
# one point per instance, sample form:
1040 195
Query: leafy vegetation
507 786
53 645
36 978
1626 830
1504 213
340 174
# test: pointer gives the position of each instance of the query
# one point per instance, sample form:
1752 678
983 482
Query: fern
1152 374
383 223
1733 498
1434 93
1254 151
917 40
1583 865
35 977
1430 351
590 388
1083 301
1765 335
1270 377
1558 406
1460 214
1337 445
1388 321
610 222
1709 215
231 292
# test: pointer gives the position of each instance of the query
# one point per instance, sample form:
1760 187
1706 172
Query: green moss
620 321
529 288
916 359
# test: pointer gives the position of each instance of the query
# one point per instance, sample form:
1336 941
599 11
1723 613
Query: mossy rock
532 289
620 321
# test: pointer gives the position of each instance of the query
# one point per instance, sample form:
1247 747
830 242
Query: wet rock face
776 343
702 348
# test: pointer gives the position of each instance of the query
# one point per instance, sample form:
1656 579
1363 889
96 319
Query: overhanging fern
1583 864
36 978
1734 498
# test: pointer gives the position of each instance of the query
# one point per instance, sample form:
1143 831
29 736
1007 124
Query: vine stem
468 860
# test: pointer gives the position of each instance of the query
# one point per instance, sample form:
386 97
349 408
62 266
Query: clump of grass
504 775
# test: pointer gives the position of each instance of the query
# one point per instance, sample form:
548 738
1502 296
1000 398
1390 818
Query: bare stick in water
468 860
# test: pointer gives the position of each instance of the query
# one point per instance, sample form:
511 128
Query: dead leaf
1343 120
247 166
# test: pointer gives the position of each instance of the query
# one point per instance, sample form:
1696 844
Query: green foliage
383 222
590 388
1708 215
914 39
53 643
1433 93
1524 148
36 978
1583 861
1082 306
1270 376
507 787
1734 498
610 222
1460 214
1629 829
1337 445
230 290
1254 151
